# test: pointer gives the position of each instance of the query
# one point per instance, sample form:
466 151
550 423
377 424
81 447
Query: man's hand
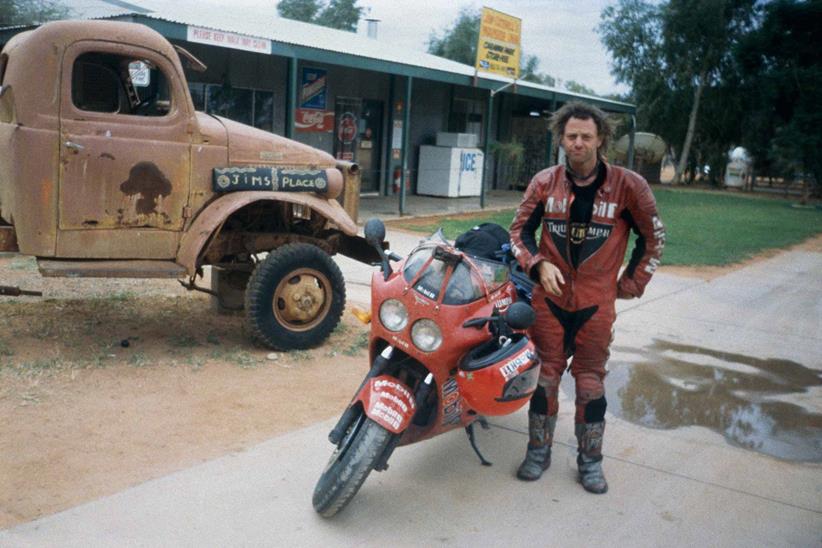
550 277
626 288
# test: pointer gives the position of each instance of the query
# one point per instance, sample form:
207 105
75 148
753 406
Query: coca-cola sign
318 121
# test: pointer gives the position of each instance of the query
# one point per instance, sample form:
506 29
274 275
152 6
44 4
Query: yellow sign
498 49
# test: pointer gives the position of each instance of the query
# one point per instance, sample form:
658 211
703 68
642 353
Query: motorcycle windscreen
468 282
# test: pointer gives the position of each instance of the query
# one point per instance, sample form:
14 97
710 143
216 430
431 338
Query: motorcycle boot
538 455
589 456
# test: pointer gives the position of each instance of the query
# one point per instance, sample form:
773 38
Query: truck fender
388 402
212 217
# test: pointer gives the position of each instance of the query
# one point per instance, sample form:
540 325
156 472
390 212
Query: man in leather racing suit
586 209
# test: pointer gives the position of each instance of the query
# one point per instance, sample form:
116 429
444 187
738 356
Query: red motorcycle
447 347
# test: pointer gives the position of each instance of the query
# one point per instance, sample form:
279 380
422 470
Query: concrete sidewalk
741 354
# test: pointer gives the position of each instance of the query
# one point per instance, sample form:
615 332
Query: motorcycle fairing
388 402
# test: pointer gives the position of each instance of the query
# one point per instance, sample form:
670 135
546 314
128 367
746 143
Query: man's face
581 141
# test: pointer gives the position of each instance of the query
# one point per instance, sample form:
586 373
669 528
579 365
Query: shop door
533 133
370 141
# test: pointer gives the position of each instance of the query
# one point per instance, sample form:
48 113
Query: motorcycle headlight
393 315
426 335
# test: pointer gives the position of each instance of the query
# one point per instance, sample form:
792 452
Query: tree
576 87
341 14
299 10
670 53
529 71
337 14
31 12
782 86
458 42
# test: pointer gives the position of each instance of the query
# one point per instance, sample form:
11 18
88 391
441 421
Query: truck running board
110 269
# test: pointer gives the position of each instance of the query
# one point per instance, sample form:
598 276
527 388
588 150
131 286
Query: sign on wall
228 40
498 47
314 121
347 129
313 89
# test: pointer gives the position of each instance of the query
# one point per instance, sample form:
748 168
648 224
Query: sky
560 32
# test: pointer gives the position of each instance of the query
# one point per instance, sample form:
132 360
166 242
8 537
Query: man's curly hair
581 111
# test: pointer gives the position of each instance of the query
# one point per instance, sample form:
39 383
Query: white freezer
452 172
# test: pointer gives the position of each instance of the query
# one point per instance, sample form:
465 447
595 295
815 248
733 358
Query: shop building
357 97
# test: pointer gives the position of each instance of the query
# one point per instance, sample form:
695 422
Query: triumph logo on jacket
595 236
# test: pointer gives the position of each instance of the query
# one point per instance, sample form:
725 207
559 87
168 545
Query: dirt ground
84 415
105 384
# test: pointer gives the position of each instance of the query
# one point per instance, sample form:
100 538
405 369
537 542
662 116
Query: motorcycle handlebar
519 316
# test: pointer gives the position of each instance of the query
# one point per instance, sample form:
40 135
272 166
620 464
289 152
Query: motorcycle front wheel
350 464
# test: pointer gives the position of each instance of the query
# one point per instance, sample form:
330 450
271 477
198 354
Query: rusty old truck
106 170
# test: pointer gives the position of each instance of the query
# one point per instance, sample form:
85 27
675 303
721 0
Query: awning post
405 144
291 98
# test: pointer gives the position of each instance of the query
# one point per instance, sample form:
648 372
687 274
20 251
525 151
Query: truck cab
107 170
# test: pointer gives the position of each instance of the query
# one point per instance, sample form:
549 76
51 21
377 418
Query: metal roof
314 43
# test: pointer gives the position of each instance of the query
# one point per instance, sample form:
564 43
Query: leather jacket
623 202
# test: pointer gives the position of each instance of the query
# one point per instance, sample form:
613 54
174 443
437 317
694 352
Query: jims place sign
228 40
229 179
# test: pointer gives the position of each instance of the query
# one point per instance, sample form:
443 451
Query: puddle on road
753 403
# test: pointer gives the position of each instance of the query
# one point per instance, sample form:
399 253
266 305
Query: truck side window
105 82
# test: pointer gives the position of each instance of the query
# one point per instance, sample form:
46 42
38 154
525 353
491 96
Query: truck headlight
393 315
426 335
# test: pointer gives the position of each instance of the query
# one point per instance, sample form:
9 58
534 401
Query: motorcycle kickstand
472 440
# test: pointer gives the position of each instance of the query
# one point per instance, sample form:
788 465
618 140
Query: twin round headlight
425 333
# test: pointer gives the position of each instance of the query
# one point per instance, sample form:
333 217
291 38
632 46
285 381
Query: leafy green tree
336 14
529 71
31 12
670 53
341 14
576 87
782 86
299 10
459 41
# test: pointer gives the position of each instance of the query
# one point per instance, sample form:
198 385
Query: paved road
708 380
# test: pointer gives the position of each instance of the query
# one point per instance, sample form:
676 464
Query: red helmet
498 380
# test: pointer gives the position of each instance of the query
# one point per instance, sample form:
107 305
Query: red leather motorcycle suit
579 321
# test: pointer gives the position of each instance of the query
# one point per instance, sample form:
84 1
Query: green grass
703 228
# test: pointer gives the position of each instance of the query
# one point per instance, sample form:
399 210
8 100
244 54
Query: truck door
125 136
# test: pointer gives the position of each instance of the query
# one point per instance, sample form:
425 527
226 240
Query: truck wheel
349 465
295 297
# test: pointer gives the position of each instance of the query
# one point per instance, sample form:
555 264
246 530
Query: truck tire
294 298
349 465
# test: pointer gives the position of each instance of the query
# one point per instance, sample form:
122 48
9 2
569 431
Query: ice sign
140 74
468 161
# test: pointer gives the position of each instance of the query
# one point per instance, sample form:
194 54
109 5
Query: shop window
198 94
232 103
252 107
264 110
116 84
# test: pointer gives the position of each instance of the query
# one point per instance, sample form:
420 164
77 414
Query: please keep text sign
228 40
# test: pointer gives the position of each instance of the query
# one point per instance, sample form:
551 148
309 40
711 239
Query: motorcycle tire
294 298
350 464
